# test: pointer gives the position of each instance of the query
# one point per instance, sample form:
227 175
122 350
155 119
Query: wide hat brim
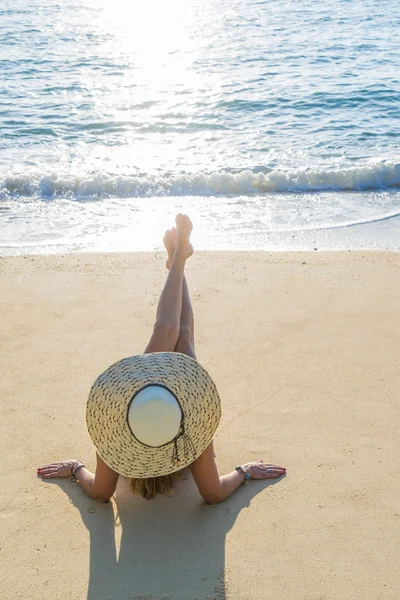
108 404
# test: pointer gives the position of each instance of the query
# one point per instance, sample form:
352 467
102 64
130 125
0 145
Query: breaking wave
258 180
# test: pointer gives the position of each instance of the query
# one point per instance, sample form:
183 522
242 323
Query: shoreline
382 235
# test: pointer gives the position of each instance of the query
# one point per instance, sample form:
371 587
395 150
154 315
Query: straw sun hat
152 414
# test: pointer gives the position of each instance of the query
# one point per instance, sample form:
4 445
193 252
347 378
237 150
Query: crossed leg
174 327
185 343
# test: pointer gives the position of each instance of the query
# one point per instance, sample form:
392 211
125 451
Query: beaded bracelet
246 475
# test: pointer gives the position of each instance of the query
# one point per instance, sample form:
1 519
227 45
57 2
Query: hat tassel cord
188 447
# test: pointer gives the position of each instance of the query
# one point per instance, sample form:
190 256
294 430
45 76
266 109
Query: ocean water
274 124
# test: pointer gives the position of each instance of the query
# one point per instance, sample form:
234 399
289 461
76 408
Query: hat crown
189 411
154 416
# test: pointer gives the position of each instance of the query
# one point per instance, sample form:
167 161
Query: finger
50 465
55 465
47 471
274 466
50 475
272 471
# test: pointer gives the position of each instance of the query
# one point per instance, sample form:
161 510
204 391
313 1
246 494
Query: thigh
160 342
186 346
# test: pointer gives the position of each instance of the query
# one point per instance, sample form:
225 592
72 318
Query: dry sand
304 348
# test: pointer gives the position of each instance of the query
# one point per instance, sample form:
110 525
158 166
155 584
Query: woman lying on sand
150 416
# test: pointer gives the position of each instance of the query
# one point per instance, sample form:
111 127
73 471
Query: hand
57 469
260 470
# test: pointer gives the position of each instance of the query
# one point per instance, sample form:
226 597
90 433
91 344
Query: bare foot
170 239
184 228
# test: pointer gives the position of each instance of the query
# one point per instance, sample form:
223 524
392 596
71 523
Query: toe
168 240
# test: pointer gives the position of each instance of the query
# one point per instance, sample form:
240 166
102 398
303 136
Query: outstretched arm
99 486
215 488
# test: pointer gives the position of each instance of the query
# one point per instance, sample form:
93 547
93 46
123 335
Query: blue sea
274 124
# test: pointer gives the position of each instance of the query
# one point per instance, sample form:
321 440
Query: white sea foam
92 185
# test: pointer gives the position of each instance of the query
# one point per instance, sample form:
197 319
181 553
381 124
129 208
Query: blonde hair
150 487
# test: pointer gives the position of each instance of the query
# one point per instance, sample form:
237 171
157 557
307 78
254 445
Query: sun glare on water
154 35
151 47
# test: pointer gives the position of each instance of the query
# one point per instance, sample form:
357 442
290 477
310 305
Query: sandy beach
304 349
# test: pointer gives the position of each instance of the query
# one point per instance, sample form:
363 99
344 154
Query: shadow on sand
166 549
